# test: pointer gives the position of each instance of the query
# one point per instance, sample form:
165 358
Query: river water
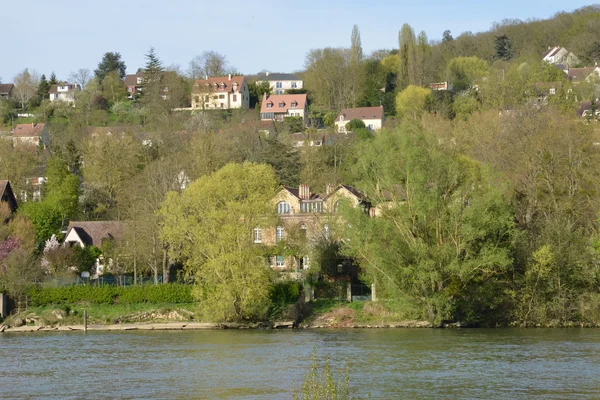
383 363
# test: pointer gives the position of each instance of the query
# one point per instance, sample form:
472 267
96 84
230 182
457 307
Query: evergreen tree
43 88
502 48
53 80
154 69
110 62
447 37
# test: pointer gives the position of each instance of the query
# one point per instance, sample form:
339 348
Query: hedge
107 294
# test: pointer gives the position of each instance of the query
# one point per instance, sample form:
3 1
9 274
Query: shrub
355 124
107 294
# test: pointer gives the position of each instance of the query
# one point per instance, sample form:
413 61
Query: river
266 364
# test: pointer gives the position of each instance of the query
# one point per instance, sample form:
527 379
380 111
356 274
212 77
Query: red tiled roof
28 130
361 113
281 103
204 85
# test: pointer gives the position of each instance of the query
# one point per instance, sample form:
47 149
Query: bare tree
80 77
209 63
26 84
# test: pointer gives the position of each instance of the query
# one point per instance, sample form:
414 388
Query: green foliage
502 48
108 294
465 72
284 159
111 61
46 218
355 124
411 102
322 383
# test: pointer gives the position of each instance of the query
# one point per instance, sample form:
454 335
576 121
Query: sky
65 35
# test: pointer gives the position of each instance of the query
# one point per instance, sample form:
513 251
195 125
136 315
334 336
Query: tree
80 77
113 88
326 77
284 159
355 67
53 80
411 102
464 72
110 62
355 124
209 228
407 56
209 63
153 70
502 48
43 88
25 86
447 37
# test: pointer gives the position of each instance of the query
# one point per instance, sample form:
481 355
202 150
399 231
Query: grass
363 312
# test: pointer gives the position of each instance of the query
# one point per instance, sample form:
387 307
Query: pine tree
502 48
53 80
154 69
110 62
43 88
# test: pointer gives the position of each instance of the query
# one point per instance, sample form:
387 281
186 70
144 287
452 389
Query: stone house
221 93
30 135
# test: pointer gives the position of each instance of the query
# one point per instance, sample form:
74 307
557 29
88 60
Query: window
222 86
336 206
279 234
281 104
235 97
269 105
257 235
222 105
279 92
341 117
311 206
221 96
370 127
294 85
294 104
279 261
283 207
278 85
139 81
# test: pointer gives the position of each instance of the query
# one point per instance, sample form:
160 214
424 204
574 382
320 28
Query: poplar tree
406 41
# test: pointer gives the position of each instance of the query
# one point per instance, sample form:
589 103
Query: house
6 90
304 219
586 74
371 116
221 92
30 135
279 106
63 92
7 195
133 83
559 55
280 83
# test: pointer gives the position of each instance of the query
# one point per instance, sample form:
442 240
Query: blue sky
64 35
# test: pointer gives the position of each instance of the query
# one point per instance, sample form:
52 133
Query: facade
133 83
6 90
30 135
371 116
304 220
586 74
279 106
280 83
63 92
559 55
221 93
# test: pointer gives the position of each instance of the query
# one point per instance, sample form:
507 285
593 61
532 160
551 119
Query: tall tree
53 80
209 63
153 69
80 77
355 67
502 48
25 86
43 88
422 60
111 61
407 43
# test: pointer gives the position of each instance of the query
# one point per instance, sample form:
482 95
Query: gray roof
276 76
93 232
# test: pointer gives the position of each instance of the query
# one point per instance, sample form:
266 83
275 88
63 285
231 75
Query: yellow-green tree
209 227
410 103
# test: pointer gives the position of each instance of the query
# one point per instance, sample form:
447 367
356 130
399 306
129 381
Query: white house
63 92
279 106
559 55
280 83
371 116
221 92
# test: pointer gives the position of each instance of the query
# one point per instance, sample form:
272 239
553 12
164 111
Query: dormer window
294 104
269 105
341 117
139 80
222 86
216 86
281 104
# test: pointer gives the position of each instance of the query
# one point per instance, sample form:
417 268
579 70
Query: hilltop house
586 74
6 90
279 106
372 117
7 195
133 83
63 92
559 55
221 92
30 135
280 83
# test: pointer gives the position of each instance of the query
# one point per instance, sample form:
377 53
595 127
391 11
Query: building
221 92
372 117
559 55
133 83
6 90
304 220
63 92
7 195
279 106
586 74
280 83
30 135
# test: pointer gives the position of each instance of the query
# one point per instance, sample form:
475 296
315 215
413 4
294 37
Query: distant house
133 83
93 233
279 106
7 195
371 116
586 74
63 92
30 135
6 90
559 55
280 83
221 92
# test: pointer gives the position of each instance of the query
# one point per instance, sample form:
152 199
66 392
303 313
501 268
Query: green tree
502 48
464 72
53 80
209 228
411 102
111 61
43 88
113 88
282 157
407 56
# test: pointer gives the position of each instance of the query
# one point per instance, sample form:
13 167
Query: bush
355 124
106 294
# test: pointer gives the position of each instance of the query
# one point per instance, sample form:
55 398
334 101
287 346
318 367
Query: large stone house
372 117
30 135
304 221
277 107
63 92
221 92
280 83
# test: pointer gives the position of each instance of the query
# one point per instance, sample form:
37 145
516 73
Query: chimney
329 189
372 212
229 76
304 191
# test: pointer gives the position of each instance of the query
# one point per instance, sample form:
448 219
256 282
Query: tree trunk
165 266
